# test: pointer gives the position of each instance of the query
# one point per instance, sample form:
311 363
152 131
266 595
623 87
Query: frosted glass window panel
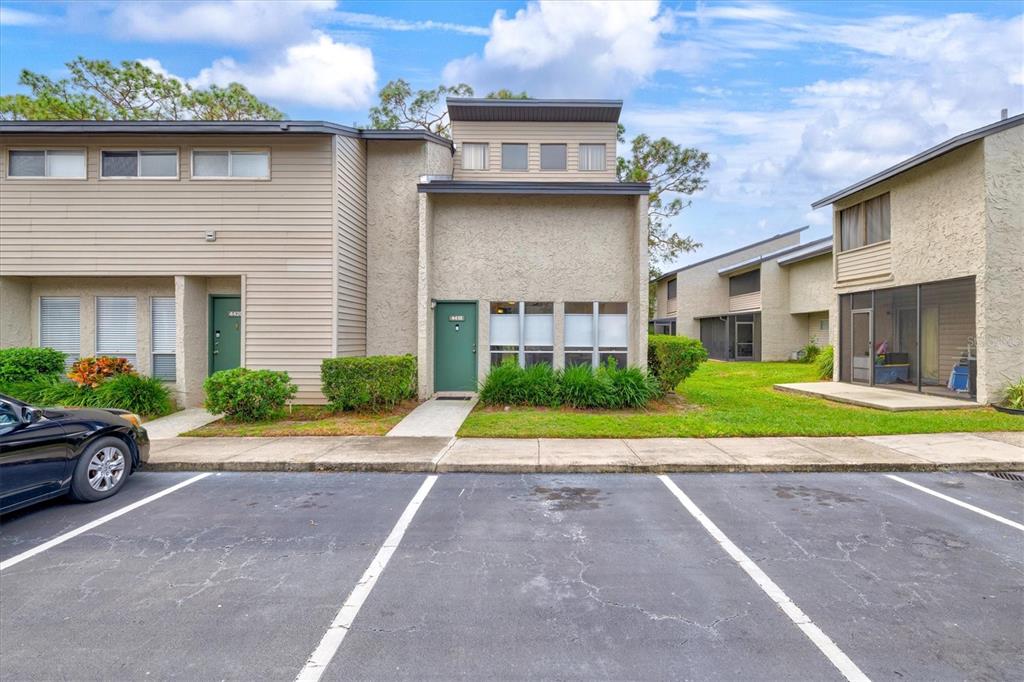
250 164
65 164
552 157
592 157
158 164
514 157
613 331
27 164
579 331
120 164
474 156
539 330
504 330
210 164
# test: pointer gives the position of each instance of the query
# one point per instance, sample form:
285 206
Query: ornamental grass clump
576 386
824 362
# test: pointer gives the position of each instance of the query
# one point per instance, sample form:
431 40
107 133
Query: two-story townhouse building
192 246
761 301
929 268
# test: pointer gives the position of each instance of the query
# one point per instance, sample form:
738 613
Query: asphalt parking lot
702 576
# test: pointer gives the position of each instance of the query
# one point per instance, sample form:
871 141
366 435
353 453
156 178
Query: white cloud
391 24
253 23
320 73
18 17
569 49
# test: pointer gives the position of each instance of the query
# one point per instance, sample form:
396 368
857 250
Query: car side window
8 417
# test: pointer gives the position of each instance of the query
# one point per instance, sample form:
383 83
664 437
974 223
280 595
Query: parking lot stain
819 495
568 498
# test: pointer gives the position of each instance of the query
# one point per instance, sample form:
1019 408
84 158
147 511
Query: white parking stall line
328 646
834 654
953 500
60 539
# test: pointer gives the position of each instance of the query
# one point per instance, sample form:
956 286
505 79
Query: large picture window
522 330
865 223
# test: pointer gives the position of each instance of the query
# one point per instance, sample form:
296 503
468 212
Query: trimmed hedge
247 395
26 363
378 382
672 359
578 386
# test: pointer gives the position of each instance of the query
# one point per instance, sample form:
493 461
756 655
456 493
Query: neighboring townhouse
929 268
762 301
192 246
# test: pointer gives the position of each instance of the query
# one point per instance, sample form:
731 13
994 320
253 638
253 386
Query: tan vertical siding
350 176
534 134
277 233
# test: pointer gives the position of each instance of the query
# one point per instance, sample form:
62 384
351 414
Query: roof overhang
544 110
925 156
554 188
729 253
755 262
810 250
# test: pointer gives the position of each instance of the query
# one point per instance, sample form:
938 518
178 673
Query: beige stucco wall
1000 323
782 333
15 311
531 248
815 334
811 284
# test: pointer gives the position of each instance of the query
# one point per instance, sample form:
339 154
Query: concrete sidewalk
920 452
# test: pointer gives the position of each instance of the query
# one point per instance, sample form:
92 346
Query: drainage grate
1007 475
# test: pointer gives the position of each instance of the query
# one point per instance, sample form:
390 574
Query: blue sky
791 100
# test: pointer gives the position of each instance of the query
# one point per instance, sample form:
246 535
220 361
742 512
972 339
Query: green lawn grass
732 399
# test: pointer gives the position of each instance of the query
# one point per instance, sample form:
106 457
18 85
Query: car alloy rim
106 468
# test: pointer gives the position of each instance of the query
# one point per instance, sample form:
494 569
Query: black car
49 452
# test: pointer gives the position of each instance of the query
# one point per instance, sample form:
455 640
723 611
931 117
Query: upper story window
747 283
865 223
137 163
230 164
592 157
474 156
672 288
552 157
46 163
514 157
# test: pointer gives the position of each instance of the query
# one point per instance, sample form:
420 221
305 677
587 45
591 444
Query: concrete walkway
178 423
436 418
922 452
892 400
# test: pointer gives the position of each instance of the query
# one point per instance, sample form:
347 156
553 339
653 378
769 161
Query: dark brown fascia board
729 253
557 188
216 127
925 156
550 110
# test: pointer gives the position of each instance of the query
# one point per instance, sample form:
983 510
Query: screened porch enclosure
917 338
732 337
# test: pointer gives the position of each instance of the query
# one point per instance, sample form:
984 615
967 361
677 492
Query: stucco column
16 319
558 319
424 309
191 347
483 342
638 305
833 334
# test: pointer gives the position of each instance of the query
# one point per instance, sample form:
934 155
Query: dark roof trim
756 261
813 249
560 188
216 127
925 156
549 110
736 250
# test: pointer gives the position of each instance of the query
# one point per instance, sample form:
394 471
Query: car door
33 456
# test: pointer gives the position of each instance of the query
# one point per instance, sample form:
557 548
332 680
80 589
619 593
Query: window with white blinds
116 327
164 335
59 326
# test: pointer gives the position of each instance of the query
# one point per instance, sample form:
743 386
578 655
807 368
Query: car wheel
101 470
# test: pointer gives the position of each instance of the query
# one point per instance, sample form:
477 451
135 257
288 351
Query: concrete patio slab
178 423
583 454
438 417
768 454
664 455
878 398
954 449
856 453
376 453
504 455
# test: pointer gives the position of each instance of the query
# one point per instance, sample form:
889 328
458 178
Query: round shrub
671 359
247 395
377 382
141 395
824 362
27 364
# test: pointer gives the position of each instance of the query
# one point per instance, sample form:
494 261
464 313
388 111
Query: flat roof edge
556 188
736 250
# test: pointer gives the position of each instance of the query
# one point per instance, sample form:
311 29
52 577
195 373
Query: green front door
455 347
225 332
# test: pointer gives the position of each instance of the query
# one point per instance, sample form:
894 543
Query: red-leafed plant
93 370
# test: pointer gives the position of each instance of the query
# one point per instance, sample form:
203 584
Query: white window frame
604 157
138 154
487 156
231 151
46 163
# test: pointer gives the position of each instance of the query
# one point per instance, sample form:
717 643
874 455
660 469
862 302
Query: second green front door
225 332
455 346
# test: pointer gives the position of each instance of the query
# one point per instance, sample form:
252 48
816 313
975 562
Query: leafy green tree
98 90
400 107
